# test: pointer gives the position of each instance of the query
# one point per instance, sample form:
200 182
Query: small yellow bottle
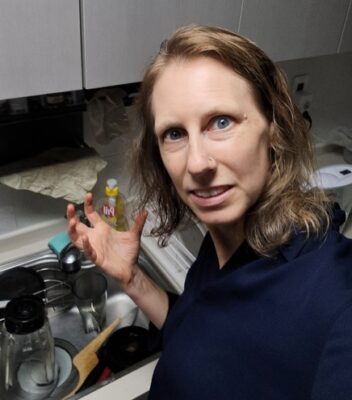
112 208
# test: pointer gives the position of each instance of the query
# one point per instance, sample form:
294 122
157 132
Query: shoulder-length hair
287 203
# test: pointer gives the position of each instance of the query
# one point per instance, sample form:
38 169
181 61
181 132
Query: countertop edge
126 387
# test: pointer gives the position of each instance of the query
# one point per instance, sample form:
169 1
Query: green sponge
59 242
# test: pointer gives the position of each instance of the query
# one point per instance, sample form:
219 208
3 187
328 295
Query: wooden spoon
86 360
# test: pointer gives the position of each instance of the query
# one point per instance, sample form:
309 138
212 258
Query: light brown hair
287 202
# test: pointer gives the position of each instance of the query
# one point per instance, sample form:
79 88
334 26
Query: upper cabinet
40 47
288 29
50 46
120 37
346 39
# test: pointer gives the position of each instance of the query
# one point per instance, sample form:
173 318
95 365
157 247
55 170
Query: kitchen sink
63 314
65 320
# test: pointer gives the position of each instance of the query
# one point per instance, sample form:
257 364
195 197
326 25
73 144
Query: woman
266 310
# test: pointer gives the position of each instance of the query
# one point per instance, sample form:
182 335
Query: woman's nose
200 160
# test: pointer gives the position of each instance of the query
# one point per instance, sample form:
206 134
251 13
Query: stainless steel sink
64 317
66 324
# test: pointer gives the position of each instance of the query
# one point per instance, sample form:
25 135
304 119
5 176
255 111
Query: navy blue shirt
262 328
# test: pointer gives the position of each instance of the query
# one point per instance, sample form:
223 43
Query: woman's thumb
139 222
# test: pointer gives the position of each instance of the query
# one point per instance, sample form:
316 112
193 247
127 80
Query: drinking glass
90 292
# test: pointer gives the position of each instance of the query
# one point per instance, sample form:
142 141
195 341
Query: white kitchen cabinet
42 51
346 39
120 37
40 47
288 29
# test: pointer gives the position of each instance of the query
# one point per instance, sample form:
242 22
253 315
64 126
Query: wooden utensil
86 360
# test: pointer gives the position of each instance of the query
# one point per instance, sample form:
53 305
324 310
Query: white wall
331 85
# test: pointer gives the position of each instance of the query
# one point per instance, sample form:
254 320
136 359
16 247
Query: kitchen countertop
133 385
29 240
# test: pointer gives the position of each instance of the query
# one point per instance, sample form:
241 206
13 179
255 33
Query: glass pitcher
27 365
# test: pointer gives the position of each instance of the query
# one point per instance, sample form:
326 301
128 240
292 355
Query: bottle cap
111 188
24 314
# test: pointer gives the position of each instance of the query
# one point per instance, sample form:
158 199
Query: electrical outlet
302 97
300 83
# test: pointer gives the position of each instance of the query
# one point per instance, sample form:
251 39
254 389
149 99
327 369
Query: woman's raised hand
115 252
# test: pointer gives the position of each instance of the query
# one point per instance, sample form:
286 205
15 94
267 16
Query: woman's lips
212 196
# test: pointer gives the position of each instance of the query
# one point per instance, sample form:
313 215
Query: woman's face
213 138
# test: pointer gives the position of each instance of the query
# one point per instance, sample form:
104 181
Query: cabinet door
288 29
39 47
346 39
120 37
223 13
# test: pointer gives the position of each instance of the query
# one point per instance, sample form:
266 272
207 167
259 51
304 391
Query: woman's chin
220 220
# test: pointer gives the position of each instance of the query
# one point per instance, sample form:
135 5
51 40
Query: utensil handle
86 360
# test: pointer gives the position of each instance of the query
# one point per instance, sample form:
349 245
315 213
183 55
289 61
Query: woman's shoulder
331 249
329 242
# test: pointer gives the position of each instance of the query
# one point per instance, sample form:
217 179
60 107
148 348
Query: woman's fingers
74 233
88 249
75 228
89 211
70 211
139 222
72 222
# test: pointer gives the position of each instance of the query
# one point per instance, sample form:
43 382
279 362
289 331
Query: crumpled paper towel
67 173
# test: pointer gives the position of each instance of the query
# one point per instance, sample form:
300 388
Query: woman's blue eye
221 122
173 134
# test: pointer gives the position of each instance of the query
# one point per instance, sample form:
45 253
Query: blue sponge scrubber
59 242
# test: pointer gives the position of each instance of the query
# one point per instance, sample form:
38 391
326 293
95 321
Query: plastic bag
107 114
